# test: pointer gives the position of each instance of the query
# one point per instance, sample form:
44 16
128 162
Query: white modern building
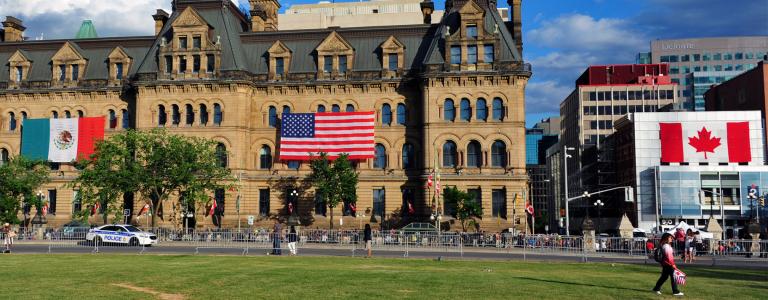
326 14
686 166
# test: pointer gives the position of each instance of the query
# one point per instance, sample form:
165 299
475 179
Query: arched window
401 115
499 154
190 115
408 159
3 156
380 159
498 109
23 116
481 110
449 111
67 114
474 155
466 110
386 114
272 116
335 108
221 155
286 109
321 108
161 115
126 119
55 114
265 157
112 119
80 114
203 114
175 114
350 108
217 114
449 154
12 121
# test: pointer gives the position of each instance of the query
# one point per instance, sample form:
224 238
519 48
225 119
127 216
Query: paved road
321 250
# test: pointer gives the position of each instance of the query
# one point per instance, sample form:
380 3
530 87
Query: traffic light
762 201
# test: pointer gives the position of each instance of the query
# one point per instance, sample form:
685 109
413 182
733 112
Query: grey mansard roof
246 51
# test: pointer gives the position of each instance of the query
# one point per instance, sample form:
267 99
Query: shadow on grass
580 284
740 275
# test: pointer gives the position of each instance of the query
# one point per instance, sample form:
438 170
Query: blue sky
560 37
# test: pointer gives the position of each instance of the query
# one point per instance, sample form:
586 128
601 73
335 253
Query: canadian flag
705 142
529 208
143 210
213 208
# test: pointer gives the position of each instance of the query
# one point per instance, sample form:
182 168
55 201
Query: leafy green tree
19 180
155 164
467 208
335 180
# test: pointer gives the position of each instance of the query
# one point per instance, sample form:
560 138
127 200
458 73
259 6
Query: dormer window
327 63
455 55
62 72
196 63
335 57
168 64
19 67
119 71
472 31
194 54
393 61
75 72
472 54
279 66
488 54
19 73
196 42
342 64
210 63
182 64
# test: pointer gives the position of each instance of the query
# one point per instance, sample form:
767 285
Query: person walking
668 267
8 235
680 242
277 231
292 238
688 246
367 237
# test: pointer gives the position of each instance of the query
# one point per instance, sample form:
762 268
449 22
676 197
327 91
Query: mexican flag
61 140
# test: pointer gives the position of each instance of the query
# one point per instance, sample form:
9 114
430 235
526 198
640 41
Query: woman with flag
666 258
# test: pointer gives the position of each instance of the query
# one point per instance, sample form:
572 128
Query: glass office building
686 56
700 82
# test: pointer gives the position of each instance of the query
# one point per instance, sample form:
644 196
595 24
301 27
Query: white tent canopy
684 226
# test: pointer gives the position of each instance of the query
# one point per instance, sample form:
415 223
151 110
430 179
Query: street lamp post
565 187
599 204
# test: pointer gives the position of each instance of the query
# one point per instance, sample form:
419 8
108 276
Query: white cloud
585 32
563 60
545 96
61 18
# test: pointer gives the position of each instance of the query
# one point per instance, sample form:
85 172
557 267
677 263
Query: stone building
450 93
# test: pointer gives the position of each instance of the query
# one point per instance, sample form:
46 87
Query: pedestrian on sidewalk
292 238
277 232
367 237
666 257
8 235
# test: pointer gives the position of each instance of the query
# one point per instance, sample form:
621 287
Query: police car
121 234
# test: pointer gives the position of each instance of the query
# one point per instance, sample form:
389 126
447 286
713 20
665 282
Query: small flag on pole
143 210
213 208
529 208
679 277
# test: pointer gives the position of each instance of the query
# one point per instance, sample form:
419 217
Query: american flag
305 135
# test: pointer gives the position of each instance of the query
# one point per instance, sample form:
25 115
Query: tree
19 180
156 164
336 181
467 209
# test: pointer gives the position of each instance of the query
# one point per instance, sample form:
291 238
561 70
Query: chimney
160 18
264 15
13 31
427 8
517 25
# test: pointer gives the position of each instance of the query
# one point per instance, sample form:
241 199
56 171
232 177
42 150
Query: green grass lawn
232 277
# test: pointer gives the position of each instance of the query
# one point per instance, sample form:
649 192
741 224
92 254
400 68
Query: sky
560 37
